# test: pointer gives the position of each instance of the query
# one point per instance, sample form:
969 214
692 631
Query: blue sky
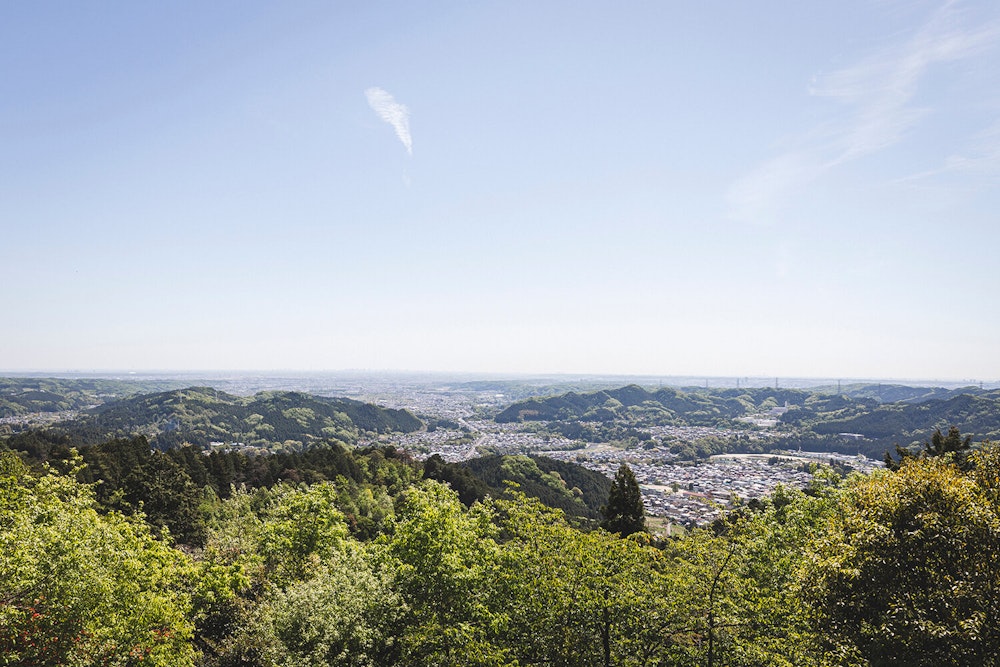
718 188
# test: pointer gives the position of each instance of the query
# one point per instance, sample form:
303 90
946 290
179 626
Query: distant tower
838 386
775 383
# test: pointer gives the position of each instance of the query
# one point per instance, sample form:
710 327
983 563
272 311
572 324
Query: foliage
351 558
953 446
624 513
907 572
78 587
201 416
344 614
577 491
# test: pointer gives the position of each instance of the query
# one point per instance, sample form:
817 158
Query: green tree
344 615
908 571
741 589
952 445
578 599
624 513
78 587
441 556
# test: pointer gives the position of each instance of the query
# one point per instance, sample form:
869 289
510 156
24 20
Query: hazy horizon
713 381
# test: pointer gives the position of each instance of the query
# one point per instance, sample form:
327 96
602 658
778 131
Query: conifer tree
624 513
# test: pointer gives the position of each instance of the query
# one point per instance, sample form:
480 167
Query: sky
807 189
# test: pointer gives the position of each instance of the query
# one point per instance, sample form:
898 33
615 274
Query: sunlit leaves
78 587
907 572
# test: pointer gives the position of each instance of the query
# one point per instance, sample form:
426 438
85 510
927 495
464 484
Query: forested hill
575 490
904 421
812 417
663 406
24 395
201 416
897 393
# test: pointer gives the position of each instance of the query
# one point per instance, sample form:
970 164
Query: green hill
813 419
25 395
567 486
641 407
906 422
202 417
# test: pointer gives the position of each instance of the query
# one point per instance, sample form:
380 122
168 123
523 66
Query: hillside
813 420
905 422
897 393
665 406
202 416
26 395
569 487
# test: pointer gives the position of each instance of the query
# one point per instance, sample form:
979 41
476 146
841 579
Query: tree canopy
624 512
379 567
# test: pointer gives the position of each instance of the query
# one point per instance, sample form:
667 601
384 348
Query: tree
578 599
82 587
343 616
953 445
440 557
624 514
907 572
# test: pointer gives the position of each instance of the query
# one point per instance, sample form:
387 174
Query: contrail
392 112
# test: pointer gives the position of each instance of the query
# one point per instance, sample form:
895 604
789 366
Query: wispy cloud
392 112
981 159
881 88
878 93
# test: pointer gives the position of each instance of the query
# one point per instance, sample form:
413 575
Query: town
687 493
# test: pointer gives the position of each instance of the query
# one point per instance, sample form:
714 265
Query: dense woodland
200 416
375 564
814 419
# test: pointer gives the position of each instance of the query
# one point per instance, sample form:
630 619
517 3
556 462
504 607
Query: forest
814 419
268 420
367 559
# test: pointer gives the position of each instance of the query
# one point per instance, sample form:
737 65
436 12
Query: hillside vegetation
813 419
200 416
23 396
371 565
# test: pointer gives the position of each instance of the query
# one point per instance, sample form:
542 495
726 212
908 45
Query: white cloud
980 159
881 88
878 94
392 112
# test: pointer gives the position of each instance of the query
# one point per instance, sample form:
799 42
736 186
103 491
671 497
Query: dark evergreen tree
939 445
624 513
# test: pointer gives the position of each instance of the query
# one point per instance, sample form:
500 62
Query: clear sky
722 188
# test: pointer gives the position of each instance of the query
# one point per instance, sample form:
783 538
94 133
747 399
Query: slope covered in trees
669 406
911 421
21 396
571 488
898 567
171 488
813 419
201 416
